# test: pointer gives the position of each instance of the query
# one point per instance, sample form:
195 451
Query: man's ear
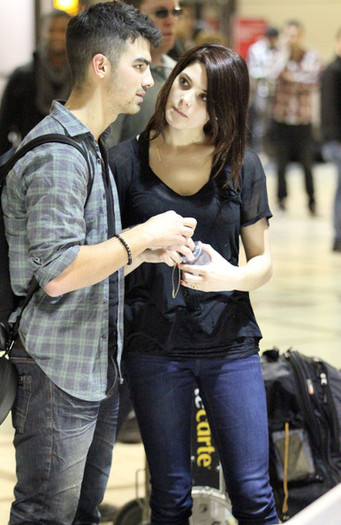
100 65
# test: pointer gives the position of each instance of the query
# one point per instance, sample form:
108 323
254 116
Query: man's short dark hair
105 28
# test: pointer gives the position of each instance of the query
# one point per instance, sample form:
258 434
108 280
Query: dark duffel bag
304 411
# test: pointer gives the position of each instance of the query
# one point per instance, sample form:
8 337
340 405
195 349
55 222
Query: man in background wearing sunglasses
164 14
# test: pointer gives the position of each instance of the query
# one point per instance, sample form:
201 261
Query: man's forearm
95 263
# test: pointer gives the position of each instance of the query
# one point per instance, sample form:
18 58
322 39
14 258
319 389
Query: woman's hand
161 255
218 275
170 256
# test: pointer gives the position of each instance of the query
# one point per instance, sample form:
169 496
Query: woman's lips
180 112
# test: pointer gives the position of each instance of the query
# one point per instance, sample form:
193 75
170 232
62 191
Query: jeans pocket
20 408
113 375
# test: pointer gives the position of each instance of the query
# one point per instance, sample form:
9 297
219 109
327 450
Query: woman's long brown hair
227 104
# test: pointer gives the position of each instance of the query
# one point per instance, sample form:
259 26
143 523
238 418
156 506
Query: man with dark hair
331 129
70 240
164 14
31 88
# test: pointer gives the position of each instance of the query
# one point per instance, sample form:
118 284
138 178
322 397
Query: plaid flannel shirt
296 81
46 223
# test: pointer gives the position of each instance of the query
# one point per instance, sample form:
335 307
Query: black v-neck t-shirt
194 324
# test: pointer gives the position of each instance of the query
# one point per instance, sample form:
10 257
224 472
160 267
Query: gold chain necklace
158 154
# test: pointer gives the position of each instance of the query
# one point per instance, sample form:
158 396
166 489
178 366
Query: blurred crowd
294 110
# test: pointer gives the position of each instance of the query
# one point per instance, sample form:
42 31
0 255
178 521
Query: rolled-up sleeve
54 191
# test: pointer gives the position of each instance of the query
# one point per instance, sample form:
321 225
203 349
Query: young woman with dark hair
192 159
228 86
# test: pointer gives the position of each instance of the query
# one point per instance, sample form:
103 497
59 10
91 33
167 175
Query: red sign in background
245 32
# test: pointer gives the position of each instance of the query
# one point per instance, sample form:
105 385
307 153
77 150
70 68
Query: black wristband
125 244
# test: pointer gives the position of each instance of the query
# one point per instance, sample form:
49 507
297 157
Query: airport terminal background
19 25
301 306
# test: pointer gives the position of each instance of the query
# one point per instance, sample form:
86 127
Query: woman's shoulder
252 168
125 153
251 159
125 164
250 171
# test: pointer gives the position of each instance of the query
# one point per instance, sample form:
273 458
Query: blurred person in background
184 32
205 36
296 73
260 59
331 129
164 14
32 87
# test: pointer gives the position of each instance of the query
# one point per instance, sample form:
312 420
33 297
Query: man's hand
170 230
94 263
168 256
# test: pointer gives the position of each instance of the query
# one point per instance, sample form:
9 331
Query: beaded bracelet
125 244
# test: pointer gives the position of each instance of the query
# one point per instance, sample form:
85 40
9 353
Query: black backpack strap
4 169
43 139
13 331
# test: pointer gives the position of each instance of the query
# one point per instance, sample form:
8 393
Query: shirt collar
73 125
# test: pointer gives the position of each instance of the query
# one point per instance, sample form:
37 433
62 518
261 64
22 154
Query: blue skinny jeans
233 394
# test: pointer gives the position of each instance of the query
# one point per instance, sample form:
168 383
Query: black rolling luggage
211 504
304 410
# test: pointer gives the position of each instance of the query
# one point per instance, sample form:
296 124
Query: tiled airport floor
300 307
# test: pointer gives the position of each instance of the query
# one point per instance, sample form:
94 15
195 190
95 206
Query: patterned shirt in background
46 223
260 60
296 81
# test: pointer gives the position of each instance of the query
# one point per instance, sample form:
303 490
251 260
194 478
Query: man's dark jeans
63 449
